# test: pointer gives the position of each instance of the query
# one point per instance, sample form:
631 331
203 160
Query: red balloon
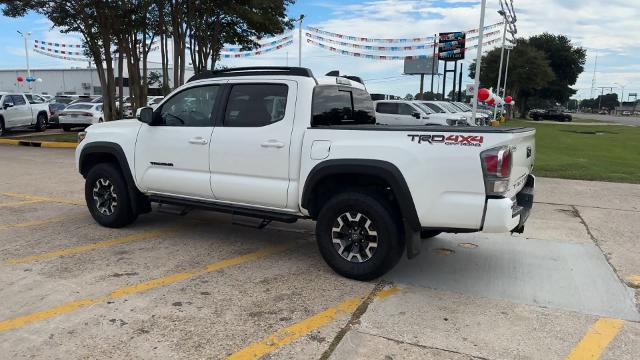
491 101
483 94
508 99
20 79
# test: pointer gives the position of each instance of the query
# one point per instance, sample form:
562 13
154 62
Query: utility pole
299 20
621 94
476 81
434 62
593 79
26 54
506 73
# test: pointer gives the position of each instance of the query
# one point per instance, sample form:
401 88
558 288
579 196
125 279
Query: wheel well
93 159
333 184
43 113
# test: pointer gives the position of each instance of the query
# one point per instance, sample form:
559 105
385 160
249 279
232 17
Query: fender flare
379 168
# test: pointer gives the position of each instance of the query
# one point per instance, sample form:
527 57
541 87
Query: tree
408 97
428 96
566 61
90 18
211 24
529 71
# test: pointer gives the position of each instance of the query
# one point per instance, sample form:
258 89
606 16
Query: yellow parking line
35 222
596 339
634 280
137 288
18 203
92 246
297 330
43 198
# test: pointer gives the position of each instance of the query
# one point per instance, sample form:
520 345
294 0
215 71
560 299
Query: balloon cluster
491 99
28 79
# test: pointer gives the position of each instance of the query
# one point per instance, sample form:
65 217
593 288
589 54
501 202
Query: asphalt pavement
626 120
200 286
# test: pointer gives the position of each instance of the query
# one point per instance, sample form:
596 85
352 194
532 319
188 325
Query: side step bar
225 208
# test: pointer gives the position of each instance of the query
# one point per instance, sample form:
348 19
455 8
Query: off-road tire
41 122
109 175
384 219
66 128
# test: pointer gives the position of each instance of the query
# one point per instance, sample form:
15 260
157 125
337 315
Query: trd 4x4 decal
461 140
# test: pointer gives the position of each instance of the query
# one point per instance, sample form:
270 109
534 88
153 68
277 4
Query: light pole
299 20
622 94
26 53
476 81
506 73
504 35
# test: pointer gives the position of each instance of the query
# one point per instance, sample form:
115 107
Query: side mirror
416 115
145 115
7 105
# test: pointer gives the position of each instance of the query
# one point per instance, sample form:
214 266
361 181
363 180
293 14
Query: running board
226 208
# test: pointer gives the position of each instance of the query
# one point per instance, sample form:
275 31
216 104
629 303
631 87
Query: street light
299 20
508 20
26 53
621 95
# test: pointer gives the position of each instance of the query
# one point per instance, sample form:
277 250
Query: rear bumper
510 215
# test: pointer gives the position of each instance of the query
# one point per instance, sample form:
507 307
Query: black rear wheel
359 235
66 127
2 130
107 196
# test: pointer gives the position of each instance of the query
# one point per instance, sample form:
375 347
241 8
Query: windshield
462 106
424 108
434 107
449 107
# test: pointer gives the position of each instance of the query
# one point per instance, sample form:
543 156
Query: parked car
626 113
445 107
80 115
54 113
404 112
280 144
550 114
16 112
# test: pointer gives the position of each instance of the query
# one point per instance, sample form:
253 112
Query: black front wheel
41 122
107 196
359 235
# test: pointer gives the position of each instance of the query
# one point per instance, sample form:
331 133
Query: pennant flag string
257 52
64 57
388 57
262 45
397 40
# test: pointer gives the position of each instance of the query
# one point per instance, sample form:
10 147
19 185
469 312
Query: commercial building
72 81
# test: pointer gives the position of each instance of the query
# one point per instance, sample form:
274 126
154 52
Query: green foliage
606 101
428 96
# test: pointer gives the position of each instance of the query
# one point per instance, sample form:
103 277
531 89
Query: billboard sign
418 66
451 46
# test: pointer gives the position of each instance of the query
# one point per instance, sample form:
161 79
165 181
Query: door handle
198 141
272 144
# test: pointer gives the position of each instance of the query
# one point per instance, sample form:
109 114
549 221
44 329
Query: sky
606 29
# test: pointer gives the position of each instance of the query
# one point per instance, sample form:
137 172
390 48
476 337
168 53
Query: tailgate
523 153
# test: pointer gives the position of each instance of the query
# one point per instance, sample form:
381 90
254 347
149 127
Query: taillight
496 167
87 114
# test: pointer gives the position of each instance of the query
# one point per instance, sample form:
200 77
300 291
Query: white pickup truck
17 112
278 143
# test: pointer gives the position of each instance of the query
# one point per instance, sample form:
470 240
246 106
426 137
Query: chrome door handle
272 144
198 141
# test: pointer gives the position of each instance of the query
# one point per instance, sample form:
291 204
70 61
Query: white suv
403 112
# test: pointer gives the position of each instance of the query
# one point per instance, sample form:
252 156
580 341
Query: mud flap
412 240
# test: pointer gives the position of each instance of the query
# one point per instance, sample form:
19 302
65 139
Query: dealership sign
451 46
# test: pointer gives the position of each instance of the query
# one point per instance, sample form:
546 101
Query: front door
172 154
20 112
250 147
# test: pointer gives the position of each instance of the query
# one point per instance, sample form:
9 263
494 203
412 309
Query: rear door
250 147
386 113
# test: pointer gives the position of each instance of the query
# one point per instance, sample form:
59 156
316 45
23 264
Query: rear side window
18 100
337 105
387 108
256 105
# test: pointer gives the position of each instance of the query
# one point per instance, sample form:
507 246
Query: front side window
435 107
18 100
336 105
256 105
424 108
192 107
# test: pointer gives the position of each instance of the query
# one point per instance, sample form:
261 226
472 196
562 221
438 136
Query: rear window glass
341 105
79 107
387 108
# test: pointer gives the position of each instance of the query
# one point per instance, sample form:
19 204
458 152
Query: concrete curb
44 144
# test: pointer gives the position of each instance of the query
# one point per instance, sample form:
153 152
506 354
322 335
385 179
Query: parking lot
200 286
